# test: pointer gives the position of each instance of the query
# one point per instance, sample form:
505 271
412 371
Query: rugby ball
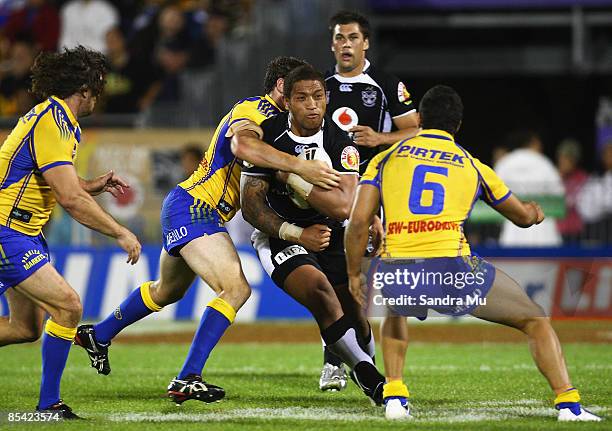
310 153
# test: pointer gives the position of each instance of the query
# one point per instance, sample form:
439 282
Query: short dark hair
279 68
194 149
347 17
65 73
302 73
441 108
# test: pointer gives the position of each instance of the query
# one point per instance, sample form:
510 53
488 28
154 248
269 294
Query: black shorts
279 258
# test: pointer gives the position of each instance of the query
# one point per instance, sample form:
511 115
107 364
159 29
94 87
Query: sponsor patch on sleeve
350 158
402 93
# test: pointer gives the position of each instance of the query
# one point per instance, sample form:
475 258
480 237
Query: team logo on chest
350 158
308 151
368 97
305 148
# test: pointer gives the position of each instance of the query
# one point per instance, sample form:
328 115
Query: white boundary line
491 411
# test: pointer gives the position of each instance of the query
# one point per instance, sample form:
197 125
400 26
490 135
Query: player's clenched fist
316 237
128 242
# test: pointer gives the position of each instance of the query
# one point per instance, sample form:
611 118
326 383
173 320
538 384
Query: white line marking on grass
496 411
595 366
295 413
513 403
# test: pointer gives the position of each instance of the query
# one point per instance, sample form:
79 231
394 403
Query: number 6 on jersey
419 185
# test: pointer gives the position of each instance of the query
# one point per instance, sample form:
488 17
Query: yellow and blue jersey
216 182
47 136
428 185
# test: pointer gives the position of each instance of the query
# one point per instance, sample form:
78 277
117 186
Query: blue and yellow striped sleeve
246 110
53 145
494 190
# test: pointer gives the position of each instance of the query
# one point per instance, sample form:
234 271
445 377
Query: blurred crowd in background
148 42
585 196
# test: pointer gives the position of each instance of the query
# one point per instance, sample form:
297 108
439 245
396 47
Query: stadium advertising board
564 287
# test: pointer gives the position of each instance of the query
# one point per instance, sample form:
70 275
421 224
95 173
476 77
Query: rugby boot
397 408
193 388
370 381
64 410
574 412
97 352
333 378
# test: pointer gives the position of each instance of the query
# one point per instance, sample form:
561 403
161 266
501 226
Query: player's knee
237 293
71 309
242 291
535 324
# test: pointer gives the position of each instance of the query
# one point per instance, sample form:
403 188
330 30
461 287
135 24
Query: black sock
330 358
341 339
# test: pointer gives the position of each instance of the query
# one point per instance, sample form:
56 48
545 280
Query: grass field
476 386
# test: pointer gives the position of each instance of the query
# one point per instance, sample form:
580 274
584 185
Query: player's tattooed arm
255 210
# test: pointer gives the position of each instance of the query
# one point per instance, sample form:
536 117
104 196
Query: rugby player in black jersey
299 236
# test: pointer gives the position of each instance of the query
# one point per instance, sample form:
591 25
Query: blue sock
217 317
55 348
135 307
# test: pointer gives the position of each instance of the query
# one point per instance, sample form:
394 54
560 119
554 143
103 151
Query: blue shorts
449 285
185 218
20 256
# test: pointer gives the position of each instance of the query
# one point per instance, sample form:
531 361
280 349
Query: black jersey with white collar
371 98
331 139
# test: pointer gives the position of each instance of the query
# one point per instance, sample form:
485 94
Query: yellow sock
223 307
395 388
569 396
59 331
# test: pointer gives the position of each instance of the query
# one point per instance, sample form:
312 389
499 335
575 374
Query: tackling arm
247 145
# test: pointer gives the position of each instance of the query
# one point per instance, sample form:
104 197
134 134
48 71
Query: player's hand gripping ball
315 153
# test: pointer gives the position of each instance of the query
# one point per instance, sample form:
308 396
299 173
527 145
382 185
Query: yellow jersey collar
269 99
63 104
436 133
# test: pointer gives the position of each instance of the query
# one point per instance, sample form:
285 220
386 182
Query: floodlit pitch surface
485 384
